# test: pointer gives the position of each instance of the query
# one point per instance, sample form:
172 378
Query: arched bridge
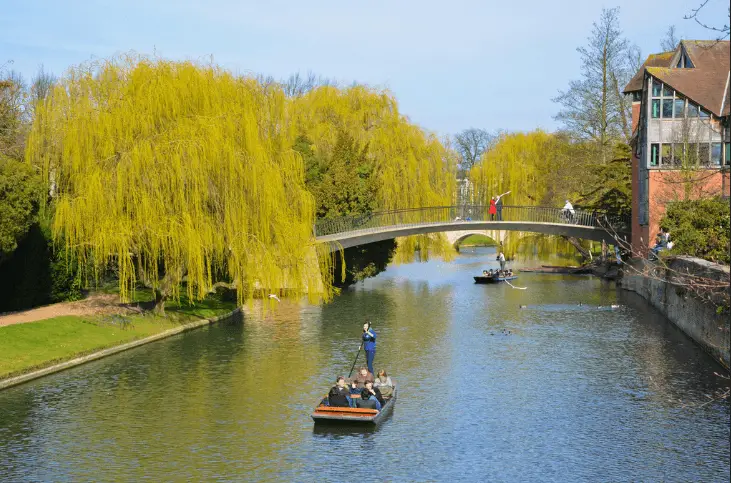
350 231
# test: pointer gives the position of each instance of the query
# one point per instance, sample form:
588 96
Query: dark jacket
338 397
365 394
369 341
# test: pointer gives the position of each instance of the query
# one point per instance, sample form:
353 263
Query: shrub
699 228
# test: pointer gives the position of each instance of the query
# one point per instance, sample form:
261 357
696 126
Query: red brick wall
667 186
635 115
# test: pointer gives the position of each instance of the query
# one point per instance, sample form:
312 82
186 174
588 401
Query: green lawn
477 241
33 345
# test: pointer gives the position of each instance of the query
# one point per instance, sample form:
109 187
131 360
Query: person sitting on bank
384 384
339 396
368 398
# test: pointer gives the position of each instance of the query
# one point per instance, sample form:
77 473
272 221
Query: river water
571 393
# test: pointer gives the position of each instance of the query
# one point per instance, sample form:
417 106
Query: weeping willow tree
538 168
175 173
410 167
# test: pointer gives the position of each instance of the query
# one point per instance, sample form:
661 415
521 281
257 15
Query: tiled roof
705 84
653 60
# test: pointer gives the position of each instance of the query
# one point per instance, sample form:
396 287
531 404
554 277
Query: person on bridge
499 205
501 258
568 211
369 344
493 209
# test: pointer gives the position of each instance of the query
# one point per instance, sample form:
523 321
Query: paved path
95 304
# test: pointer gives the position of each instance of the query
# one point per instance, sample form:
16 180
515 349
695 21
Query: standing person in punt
369 344
501 258
384 384
499 205
339 396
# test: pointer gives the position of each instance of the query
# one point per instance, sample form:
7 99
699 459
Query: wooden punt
484 279
336 415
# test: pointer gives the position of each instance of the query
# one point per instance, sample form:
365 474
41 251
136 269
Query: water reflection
487 391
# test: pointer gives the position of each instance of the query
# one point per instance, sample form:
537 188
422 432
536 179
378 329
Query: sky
450 64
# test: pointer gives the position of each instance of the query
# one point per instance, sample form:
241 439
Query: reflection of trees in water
20 410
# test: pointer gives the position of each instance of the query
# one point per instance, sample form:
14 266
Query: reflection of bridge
350 231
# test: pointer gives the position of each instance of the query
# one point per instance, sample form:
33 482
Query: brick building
681 132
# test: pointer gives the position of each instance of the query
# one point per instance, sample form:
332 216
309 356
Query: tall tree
471 144
670 41
594 108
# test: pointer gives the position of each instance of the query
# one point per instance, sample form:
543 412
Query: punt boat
342 415
493 279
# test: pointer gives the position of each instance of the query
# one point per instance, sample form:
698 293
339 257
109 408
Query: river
571 393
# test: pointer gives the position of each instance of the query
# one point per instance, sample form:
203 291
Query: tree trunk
160 299
586 254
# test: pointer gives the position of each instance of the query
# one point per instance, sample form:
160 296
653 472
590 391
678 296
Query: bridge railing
465 213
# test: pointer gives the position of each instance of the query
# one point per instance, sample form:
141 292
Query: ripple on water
570 393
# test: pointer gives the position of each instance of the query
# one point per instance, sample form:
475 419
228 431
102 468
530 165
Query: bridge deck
373 227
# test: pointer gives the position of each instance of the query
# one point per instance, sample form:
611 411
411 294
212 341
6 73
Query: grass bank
478 241
35 345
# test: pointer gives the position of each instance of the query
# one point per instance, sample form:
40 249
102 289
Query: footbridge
350 231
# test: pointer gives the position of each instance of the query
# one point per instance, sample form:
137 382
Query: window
656 88
654 155
667 108
679 108
716 154
691 154
667 91
728 154
667 154
656 108
704 114
678 154
692 110
704 154
636 96
684 61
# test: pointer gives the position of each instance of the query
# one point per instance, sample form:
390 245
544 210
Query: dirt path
95 304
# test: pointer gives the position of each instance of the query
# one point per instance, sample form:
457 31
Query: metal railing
465 213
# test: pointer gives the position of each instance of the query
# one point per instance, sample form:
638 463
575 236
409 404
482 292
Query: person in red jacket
493 209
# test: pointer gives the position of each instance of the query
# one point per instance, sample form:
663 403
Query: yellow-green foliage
178 165
185 170
539 169
412 168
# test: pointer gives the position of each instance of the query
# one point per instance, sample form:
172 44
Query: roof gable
706 83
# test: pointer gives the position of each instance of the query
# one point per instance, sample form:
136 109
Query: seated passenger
368 397
339 395
489 274
377 392
354 389
484 272
362 376
384 384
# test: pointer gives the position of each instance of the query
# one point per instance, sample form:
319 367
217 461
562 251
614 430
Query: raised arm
506 193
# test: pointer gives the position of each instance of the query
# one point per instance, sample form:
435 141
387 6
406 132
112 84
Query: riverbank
701 312
44 346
